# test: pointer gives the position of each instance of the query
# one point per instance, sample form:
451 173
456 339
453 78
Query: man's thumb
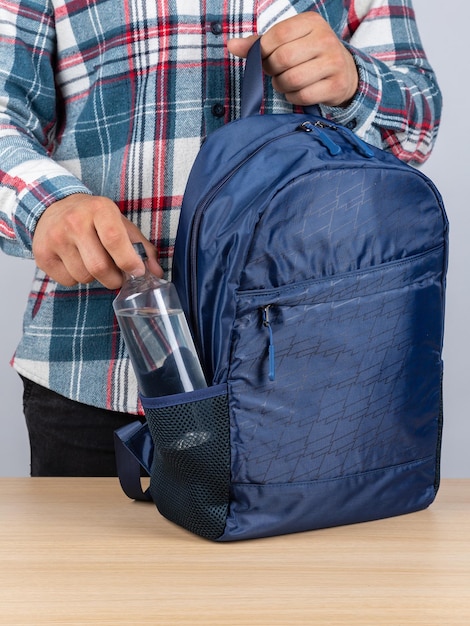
239 46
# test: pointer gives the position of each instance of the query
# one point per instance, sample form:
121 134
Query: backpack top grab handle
253 85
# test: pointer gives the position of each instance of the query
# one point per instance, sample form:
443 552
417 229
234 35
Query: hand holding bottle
84 238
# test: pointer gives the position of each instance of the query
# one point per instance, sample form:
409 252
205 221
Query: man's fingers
113 246
58 272
288 31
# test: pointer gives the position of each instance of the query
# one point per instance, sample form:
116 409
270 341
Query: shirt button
218 110
351 124
216 28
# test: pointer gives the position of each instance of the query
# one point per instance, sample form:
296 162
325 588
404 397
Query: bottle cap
139 248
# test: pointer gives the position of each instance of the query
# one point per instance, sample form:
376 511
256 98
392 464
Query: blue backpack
311 267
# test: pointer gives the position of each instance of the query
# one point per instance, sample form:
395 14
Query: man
103 106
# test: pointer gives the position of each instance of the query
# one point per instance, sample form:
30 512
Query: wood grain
77 551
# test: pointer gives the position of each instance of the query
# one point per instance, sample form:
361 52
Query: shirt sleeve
398 103
30 180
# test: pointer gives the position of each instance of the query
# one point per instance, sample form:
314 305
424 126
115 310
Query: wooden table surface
77 551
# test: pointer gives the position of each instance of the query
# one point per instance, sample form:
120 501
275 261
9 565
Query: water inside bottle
162 351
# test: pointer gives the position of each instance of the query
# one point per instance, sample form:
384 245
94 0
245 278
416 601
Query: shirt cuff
360 113
31 205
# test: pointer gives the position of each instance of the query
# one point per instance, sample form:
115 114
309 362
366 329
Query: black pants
68 438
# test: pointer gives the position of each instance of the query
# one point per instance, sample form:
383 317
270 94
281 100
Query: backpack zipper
267 324
362 147
316 128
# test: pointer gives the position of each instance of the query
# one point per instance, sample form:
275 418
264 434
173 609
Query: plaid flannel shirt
113 98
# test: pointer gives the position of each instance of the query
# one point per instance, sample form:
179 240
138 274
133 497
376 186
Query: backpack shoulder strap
134 450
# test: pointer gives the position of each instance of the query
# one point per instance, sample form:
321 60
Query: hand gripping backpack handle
253 85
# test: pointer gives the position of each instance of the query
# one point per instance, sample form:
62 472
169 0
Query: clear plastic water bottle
157 335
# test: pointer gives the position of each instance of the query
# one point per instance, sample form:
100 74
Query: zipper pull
267 324
361 146
323 138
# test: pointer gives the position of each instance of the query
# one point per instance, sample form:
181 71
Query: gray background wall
444 35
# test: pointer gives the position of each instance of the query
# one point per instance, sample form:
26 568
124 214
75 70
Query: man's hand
82 238
307 61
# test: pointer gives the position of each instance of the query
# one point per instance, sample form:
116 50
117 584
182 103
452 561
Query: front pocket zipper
267 324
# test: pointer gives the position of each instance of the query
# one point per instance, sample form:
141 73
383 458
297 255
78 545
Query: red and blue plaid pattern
113 98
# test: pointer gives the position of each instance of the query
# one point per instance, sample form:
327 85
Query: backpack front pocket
342 377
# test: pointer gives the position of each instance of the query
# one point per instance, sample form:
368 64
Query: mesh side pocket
191 466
